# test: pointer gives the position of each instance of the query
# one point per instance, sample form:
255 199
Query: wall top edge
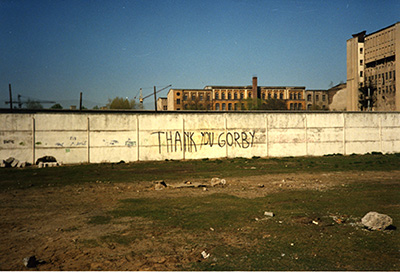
152 112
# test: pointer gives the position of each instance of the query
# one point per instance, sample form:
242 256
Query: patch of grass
174 170
100 220
288 241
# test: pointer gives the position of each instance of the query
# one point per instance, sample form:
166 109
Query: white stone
376 221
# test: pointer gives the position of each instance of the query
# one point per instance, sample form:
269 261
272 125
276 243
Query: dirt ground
52 222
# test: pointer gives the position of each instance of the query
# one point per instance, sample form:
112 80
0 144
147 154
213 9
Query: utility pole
9 90
80 102
155 99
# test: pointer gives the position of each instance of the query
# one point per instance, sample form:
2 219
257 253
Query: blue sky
53 50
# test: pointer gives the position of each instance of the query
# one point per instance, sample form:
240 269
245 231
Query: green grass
196 169
288 241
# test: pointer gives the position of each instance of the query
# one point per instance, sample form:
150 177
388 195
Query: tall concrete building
371 61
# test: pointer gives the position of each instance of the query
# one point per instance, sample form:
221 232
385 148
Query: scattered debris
13 162
205 255
46 159
32 262
338 220
160 185
315 222
189 184
212 229
376 221
217 181
48 164
261 185
271 214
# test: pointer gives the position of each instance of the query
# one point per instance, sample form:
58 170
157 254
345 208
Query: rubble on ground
217 181
14 163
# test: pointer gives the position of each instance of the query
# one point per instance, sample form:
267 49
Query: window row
309 97
235 96
296 106
231 106
387 76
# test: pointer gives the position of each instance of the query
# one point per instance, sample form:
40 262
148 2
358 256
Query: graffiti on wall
173 141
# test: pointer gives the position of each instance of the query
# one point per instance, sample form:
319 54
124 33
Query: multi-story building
162 104
371 61
317 100
323 99
230 98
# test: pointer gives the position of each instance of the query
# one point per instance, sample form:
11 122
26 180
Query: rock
217 181
21 164
160 184
271 214
30 261
14 163
9 161
376 221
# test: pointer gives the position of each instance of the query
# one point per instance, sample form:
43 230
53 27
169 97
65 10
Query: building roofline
381 29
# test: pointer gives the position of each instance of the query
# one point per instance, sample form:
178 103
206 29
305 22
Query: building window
309 107
323 97
291 96
193 97
241 96
185 97
235 106
216 95
223 106
361 73
275 95
229 96
316 97
201 96
208 97
299 95
300 106
281 96
235 96
178 101
165 107
361 50
361 62
309 97
263 96
178 94
223 96
217 106
230 106
295 96
249 95
386 75
390 75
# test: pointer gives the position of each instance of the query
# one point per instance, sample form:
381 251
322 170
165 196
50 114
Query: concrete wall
111 137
